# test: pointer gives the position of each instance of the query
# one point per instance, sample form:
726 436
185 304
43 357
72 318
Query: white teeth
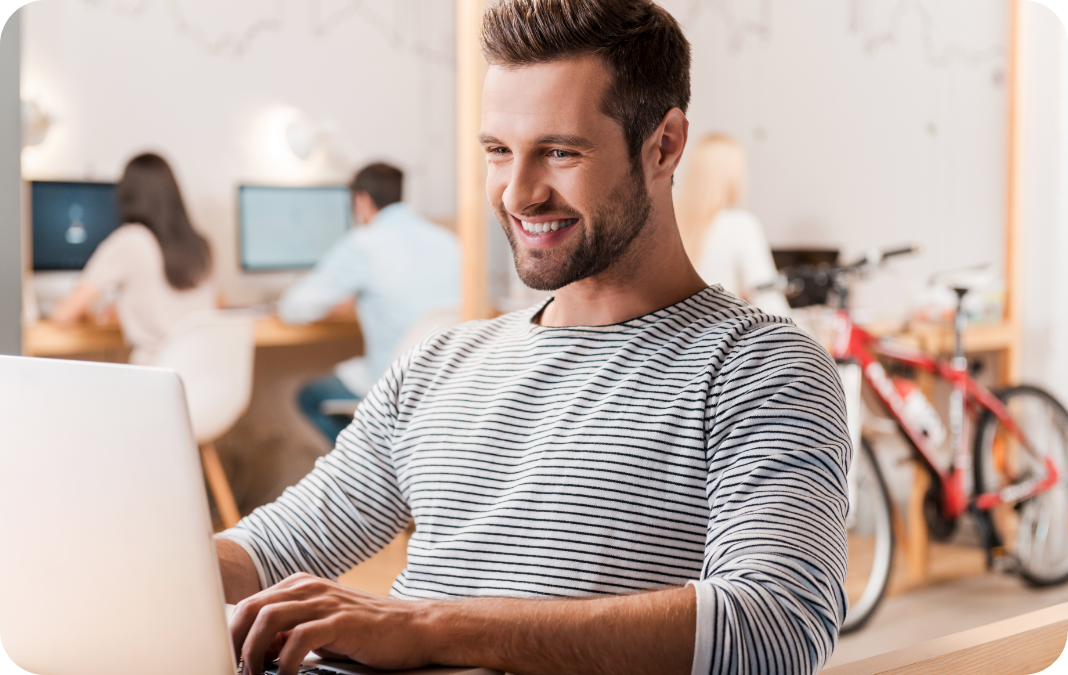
542 228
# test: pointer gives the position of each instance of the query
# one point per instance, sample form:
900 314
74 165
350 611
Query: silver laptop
108 565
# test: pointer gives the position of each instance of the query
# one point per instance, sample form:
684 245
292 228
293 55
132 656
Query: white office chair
212 353
433 320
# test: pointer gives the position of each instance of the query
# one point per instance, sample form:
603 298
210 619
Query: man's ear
663 149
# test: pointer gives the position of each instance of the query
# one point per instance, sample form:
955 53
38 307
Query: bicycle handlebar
902 250
876 256
812 283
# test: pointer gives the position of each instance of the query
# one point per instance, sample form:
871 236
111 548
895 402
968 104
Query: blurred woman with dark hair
156 265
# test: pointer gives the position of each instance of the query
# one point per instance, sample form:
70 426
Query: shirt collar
390 212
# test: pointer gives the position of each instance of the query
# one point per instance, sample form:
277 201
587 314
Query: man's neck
653 274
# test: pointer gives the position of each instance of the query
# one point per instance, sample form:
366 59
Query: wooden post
917 543
471 165
1010 369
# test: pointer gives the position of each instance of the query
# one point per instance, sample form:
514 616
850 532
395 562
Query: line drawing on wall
874 39
130 8
324 20
741 29
230 43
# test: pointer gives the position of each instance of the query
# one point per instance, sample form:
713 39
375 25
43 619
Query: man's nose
527 187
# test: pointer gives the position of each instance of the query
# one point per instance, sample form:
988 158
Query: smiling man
641 475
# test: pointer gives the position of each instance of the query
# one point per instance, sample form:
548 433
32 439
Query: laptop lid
109 565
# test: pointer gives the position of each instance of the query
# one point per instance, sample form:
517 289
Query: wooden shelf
938 338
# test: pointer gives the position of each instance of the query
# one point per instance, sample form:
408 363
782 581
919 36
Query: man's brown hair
640 43
384 183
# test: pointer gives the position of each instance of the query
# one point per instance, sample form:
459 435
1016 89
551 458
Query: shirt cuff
241 539
702 645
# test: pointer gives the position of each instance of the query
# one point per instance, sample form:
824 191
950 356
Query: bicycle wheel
870 531
1033 532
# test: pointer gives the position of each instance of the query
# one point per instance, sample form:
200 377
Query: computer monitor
287 228
69 220
807 282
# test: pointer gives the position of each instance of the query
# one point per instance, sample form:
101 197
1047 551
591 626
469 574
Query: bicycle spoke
1035 531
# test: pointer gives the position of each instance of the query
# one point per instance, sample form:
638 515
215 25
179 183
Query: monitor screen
290 227
69 221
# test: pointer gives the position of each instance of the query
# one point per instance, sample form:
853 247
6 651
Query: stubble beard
606 236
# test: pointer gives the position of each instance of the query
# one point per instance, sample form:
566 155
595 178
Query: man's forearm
645 633
239 576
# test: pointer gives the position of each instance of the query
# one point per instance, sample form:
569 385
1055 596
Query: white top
703 442
400 267
737 256
129 263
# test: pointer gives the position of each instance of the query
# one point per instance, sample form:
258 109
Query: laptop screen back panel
108 564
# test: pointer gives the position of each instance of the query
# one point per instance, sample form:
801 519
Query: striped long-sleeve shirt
704 443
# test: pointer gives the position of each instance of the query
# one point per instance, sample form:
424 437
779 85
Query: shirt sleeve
342 274
347 509
109 266
771 596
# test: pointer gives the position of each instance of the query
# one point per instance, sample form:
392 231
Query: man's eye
498 151
561 154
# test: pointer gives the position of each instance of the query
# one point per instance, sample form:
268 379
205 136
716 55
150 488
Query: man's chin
543 275
541 282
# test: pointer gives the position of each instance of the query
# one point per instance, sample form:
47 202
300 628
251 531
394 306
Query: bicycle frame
854 343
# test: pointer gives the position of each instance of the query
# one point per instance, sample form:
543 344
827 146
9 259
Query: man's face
559 174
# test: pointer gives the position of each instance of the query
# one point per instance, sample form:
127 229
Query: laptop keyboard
272 669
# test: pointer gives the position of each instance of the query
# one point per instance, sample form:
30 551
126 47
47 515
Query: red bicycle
1009 454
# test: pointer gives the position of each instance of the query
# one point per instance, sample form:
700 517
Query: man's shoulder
464 339
723 319
408 226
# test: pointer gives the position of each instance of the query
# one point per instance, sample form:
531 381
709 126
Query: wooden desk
47 339
1019 646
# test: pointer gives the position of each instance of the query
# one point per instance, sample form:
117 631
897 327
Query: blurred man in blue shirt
397 265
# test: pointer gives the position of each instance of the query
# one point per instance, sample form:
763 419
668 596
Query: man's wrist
440 622
239 575
466 632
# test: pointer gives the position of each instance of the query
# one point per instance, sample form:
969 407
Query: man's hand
644 633
304 614
346 309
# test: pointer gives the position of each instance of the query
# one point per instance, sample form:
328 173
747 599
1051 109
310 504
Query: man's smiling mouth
546 227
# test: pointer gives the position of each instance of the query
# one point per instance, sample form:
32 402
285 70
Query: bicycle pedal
1002 561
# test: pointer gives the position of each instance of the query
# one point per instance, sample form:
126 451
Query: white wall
876 122
211 84
869 123
1045 242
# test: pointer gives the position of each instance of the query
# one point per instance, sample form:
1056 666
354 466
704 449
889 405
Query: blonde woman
725 242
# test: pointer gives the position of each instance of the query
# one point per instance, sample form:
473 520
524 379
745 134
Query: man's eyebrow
566 139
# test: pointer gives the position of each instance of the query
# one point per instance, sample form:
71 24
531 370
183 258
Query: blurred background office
153 270
725 242
398 268
819 130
